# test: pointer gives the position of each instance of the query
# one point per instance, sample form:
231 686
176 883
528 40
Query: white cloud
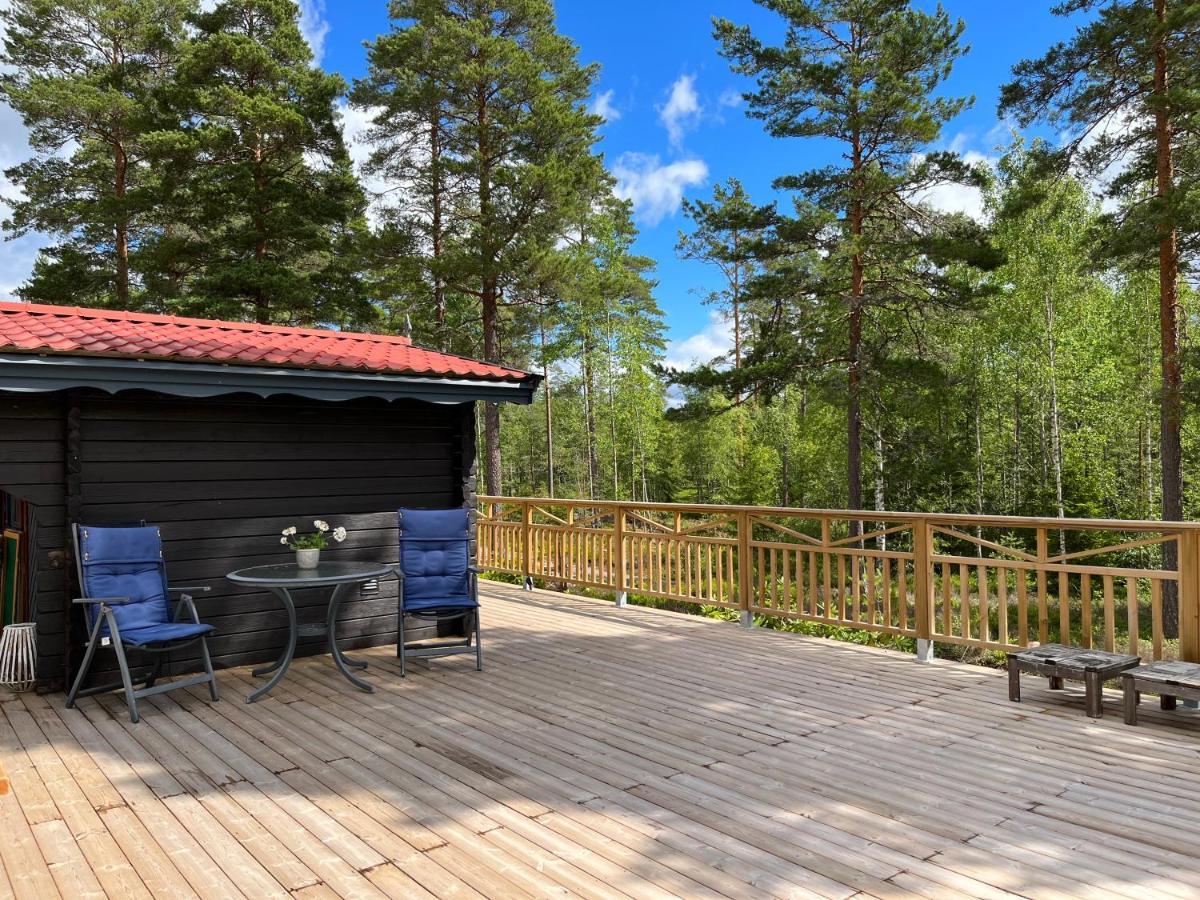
729 97
604 106
355 123
958 198
314 26
655 189
681 113
714 342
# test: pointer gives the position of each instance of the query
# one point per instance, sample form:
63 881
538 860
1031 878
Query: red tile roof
76 331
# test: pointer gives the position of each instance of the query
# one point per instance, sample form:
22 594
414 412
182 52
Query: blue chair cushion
435 558
424 603
126 562
172 631
436 524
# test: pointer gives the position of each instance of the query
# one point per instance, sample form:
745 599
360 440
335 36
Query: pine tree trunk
854 350
1168 313
1056 452
490 301
736 308
262 306
549 413
1018 499
589 407
489 294
853 400
121 236
880 496
978 474
435 226
612 412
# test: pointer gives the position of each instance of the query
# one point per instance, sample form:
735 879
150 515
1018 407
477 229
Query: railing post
620 582
527 544
923 588
1189 596
745 579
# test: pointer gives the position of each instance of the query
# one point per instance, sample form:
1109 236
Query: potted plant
308 547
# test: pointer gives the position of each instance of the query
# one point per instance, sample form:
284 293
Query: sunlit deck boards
604 752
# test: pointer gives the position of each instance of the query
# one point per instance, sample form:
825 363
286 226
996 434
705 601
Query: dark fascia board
20 372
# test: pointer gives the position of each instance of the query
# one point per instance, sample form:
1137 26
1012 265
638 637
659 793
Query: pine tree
86 77
1126 88
273 210
861 248
727 234
504 97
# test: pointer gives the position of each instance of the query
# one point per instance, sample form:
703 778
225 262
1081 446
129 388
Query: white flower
283 540
321 526
339 534
289 531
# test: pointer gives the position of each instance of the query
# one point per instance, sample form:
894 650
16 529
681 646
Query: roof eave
32 372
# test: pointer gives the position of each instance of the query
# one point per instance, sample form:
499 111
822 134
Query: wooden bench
1170 680
1058 663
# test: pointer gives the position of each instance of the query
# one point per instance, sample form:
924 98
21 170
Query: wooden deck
604 752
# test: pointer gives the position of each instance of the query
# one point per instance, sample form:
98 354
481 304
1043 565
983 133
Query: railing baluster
964 600
1064 606
1156 623
1001 605
1043 614
1085 608
1110 615
981 576
1022 607
1131 608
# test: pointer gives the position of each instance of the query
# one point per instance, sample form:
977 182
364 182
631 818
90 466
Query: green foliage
481 115
271 205
862 261
87 78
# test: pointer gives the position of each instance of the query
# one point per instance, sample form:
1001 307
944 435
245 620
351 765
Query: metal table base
339 582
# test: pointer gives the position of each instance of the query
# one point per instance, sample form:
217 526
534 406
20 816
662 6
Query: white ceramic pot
308 558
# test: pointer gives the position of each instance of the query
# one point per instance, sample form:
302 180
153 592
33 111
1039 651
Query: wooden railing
990 582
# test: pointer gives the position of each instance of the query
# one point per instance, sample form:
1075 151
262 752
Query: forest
190 158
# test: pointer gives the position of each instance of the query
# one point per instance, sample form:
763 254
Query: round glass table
284 578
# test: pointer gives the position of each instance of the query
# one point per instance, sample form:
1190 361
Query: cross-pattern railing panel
818 568
984 582
997 595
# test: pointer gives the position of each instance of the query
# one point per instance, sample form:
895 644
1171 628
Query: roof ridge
121 315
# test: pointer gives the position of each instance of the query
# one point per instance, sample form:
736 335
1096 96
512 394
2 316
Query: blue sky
675 124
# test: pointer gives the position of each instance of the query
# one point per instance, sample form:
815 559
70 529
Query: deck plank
608 753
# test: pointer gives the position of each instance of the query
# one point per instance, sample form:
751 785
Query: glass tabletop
326 572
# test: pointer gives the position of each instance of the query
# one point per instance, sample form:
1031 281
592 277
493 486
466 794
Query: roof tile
80 331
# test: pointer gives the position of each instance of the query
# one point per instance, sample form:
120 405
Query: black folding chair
126 604
437 581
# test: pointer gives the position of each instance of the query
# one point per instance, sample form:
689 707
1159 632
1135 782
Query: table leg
1014 681
1056 683
339 660
1166 701
280 666
1094 694
1132 696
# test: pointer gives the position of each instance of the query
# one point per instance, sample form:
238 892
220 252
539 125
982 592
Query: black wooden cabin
113 418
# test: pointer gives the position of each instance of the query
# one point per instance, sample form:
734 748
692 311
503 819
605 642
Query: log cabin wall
222 477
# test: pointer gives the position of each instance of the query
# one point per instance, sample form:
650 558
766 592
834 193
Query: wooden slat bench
1170 680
